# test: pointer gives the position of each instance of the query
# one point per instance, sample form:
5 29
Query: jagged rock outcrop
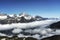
25 18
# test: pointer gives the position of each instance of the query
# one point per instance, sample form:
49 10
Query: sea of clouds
36 29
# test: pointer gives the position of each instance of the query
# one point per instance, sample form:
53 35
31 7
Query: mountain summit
21 18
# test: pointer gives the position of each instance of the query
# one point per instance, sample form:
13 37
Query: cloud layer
36 29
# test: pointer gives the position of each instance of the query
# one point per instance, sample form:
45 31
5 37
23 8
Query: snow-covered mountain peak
23 14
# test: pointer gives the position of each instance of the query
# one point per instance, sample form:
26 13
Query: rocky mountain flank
21 18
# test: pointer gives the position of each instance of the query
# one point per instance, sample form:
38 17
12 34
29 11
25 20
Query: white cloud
21 35
37 36
15 31
26 25
38 31
1 34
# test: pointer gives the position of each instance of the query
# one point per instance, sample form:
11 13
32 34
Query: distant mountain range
22 18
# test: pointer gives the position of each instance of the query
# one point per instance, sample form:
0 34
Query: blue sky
44 8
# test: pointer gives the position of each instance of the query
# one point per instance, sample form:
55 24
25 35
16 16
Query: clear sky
44 8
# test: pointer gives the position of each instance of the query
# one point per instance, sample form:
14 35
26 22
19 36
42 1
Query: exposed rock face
55 25
22 18
38 18
3 21
56 37
30 38
25 18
